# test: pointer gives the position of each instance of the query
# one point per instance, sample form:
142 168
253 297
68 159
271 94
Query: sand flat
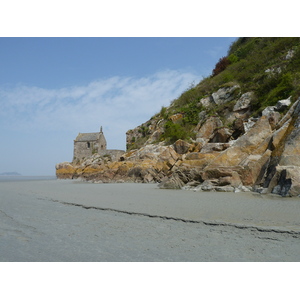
247 209
62 220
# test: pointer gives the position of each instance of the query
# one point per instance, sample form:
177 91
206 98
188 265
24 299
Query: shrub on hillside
221 65
174 132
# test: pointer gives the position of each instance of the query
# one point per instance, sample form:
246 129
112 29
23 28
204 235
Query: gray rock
225 94
197 188
268 110
249 124
246 188
243 102
289 114
261 190
202 115
207 101
224 188
273 70
272 114
290 54
283 104
207 188
200 140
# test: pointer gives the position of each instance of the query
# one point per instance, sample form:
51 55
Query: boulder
234 180
208 128
272 115
189 176
290 143
243 102
238 128
220 135
152 151
287 180
283 104
169 156
202 115
224 189
256 168
181 147
252 142
225 94
155 136
279 135
249 124
289 114
207 186
202 118
207 101
173 182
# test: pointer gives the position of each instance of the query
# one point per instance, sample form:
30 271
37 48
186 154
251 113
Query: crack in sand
268 238
296 234
19 224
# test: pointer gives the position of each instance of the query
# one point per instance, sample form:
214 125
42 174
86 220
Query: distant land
10 174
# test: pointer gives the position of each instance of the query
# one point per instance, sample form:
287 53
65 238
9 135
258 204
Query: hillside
263 70
236 130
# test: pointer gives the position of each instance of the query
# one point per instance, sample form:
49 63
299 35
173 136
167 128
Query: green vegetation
269 67
173 132
176 131
144 131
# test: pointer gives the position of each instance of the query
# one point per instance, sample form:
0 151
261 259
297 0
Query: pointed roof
86 137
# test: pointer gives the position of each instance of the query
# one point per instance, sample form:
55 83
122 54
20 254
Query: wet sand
63 220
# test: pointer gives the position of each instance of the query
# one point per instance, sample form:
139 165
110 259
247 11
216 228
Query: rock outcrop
263 159
237 130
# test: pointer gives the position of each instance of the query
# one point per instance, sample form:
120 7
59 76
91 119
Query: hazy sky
53 88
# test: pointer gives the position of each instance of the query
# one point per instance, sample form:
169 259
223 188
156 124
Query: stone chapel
87 144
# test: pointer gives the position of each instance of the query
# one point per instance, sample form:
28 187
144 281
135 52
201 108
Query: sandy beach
64 220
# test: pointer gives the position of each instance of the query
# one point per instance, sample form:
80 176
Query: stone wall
84 149
112 153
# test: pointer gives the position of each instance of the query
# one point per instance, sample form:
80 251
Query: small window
88 145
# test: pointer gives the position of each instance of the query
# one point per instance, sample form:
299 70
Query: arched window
88 145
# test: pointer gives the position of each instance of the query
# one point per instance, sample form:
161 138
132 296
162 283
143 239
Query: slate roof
86 137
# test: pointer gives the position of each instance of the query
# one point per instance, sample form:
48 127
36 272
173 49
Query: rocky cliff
235 131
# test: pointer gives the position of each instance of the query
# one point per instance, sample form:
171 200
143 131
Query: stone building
87 144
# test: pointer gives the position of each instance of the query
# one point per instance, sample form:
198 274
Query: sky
52 88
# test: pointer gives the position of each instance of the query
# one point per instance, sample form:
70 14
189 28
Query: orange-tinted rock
181 147
208 128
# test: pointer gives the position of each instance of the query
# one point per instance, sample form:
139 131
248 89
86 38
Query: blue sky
53 88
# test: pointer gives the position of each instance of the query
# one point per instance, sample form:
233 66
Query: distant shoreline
10 174
12 178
